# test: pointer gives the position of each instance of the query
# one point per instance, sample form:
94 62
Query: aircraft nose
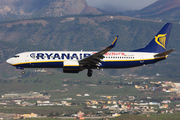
9 61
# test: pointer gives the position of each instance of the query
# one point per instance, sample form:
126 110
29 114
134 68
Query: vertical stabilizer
159 42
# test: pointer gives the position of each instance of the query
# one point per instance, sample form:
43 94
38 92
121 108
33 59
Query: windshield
16 56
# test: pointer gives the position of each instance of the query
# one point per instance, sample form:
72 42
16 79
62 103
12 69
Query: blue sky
120 5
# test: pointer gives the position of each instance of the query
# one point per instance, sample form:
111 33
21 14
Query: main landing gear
89 73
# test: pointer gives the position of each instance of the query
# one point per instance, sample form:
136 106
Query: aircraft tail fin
159 42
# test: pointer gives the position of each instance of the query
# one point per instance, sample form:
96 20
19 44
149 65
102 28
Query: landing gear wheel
90 72
23 72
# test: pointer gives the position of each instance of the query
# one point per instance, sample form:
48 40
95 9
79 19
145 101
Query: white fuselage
55 59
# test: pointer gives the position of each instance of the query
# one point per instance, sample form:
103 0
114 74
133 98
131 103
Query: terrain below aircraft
76 61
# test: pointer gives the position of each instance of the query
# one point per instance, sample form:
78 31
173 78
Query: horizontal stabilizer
164 53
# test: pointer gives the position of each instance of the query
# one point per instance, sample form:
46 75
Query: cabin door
27 58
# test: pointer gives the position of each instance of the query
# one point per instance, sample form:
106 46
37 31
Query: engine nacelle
71 66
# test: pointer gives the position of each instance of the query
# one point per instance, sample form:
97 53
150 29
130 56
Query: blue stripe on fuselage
106 64
128 64
42 65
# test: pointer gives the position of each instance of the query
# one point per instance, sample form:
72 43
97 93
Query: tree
56 114
100 82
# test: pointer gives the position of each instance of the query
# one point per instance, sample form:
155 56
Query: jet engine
71 66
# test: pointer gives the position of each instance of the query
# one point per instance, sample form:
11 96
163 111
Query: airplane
76 61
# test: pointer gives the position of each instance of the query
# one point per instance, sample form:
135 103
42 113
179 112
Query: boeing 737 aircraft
76 61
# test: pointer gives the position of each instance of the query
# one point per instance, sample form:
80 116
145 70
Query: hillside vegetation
86 33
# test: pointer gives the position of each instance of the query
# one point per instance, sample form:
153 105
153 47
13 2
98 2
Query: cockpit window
16 56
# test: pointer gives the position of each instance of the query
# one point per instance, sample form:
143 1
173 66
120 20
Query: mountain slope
160 10
12 9
162 6
85 33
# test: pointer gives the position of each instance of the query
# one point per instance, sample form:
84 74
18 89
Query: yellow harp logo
161 40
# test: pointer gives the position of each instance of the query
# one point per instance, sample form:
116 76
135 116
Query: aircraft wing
94 59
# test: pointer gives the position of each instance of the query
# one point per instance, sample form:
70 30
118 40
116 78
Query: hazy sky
120 5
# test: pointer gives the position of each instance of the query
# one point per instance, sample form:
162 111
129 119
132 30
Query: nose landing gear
89 73
21 68
23 72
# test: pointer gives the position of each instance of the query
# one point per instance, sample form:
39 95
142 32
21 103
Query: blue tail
159 42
